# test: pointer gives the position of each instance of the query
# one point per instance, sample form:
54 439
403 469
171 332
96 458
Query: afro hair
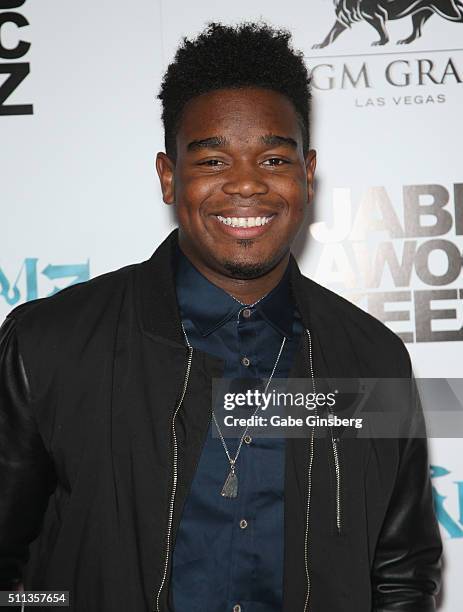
224 57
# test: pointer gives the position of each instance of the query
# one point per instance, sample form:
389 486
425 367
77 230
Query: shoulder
79 322
69 302
50 328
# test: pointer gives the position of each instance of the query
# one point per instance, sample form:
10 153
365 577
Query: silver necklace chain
233 461
248 305
230 488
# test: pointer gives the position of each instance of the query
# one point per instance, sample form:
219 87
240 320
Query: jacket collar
158 310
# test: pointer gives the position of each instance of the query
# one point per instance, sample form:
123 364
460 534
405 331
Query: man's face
240 180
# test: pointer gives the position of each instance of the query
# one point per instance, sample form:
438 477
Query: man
118 484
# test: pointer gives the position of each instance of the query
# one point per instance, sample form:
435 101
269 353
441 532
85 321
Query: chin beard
246 270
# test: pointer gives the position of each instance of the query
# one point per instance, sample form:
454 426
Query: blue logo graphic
28 279
453 526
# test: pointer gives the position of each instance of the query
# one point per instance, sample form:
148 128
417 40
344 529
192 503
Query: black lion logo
377 12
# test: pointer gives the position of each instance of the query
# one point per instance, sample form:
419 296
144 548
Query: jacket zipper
309 491
306 539
337 468
174 477
309 483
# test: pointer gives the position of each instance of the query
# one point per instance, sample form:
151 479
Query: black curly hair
244 55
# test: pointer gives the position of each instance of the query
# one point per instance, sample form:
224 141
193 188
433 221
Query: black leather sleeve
26 471
407 565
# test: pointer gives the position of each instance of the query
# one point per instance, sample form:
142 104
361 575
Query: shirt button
247 439
245 361
246 313
243 523
237 608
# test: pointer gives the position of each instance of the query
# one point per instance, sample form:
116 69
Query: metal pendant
230 488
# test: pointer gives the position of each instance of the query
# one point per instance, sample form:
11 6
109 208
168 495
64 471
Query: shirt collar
210 307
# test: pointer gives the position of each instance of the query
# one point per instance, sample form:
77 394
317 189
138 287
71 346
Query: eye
275 161
211 162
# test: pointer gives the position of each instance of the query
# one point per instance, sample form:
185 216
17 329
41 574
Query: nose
244 180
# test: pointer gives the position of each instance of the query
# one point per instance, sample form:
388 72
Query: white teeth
245 221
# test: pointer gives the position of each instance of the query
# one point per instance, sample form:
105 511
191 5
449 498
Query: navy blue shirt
229 551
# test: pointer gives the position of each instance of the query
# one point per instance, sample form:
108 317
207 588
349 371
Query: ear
165 168
310 164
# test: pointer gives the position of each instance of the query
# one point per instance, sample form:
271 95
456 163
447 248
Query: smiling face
240 181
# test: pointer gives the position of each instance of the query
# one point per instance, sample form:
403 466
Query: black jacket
103 415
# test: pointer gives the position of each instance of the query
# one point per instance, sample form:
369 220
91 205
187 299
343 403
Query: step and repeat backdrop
80 127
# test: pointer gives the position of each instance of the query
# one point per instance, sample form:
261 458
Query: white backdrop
79 194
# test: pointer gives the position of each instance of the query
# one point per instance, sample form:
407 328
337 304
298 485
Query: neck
249 290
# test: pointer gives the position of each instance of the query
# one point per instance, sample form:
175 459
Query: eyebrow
214 142
274 140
